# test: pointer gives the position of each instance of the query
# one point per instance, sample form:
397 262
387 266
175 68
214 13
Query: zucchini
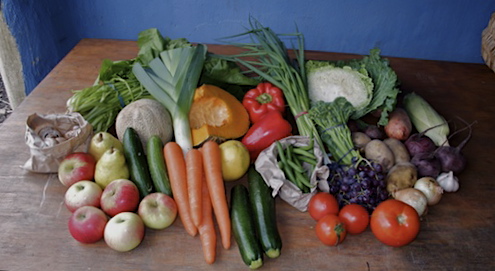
263 208
136 160
157 167
244 228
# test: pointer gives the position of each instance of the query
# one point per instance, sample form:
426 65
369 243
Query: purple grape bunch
363 183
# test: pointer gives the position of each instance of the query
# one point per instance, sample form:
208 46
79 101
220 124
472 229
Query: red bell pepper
263 99
270 128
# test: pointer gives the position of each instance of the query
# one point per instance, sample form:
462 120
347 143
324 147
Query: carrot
212 166
194 168
176 167
206 228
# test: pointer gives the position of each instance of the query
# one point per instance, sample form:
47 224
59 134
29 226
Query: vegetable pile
381 160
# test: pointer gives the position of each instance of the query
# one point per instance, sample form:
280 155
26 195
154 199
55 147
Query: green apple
157 210
124 232
101 142
111 166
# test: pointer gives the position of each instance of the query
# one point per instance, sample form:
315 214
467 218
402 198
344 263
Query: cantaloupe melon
148 117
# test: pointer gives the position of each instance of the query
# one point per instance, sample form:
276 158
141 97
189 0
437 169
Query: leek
172 78
425 118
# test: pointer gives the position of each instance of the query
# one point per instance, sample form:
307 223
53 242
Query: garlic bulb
448 181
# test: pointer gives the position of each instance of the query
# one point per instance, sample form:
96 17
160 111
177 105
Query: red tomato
355 217
395 223
330 230
321 204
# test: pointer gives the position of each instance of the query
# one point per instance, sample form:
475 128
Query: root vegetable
430 187
360 140
419 143
399 125
398 149
379 152
427 164
402 175
374 132
413 197
451 158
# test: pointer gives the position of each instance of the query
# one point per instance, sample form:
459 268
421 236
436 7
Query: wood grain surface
457 234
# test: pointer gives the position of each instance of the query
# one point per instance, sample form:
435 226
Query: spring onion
172 79
267 56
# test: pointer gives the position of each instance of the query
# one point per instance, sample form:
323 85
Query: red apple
75 167
157 210
119 196
124 232
87 224
82 193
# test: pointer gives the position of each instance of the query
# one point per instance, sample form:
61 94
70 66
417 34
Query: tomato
395 223
355 217
330 230
321 204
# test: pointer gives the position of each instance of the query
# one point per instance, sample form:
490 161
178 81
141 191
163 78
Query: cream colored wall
10 66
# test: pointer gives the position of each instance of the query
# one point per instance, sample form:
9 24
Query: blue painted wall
427 29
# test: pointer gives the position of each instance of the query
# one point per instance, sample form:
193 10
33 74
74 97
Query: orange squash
217 115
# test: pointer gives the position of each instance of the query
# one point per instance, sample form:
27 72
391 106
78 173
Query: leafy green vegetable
385 83
332 118
151 43
115 87
326 82
226 75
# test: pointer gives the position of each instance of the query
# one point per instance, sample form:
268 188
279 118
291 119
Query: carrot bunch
198 189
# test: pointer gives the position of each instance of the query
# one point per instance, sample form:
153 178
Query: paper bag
53 136
266 164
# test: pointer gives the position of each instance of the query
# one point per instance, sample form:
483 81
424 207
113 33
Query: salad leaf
151 43
227 75
385 82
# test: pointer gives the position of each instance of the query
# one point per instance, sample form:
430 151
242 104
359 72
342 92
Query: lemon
235 160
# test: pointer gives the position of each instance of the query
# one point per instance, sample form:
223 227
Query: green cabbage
326 82
384 79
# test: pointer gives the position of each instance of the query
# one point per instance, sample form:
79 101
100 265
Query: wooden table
457 234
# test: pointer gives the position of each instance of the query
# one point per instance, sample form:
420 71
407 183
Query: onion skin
430 187
414 198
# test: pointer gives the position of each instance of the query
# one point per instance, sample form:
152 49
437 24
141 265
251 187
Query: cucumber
263 208
157 167
243 227
137 162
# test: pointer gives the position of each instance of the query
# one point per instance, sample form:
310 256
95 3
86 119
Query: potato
399 124
360 140
400 176
379 152
399 149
